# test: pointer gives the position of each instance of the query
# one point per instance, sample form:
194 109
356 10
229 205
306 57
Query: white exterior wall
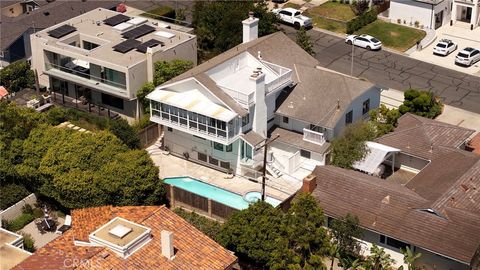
409 163
424 13
180 142
357 106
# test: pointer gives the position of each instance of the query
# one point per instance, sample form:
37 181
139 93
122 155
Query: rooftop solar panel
149 44
126 45
62 31
139 31
117 19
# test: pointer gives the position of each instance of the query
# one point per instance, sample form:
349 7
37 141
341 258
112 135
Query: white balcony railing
241 98
313 136
282 81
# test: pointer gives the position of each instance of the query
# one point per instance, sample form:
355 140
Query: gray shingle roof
318 93
296 139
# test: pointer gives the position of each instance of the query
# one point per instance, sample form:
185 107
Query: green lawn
165 11
292 5
342 12
392 35
327 24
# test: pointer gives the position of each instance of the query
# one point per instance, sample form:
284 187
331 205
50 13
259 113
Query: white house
104 57
466 11
429 13
219 112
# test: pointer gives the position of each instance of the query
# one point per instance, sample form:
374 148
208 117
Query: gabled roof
396 211
422 137
194 250
276 48
321 97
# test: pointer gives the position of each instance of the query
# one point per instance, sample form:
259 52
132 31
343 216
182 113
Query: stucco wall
412 11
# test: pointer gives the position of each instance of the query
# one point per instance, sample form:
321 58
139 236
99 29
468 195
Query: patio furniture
66 225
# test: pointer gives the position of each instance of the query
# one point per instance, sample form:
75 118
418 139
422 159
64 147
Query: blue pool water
217 194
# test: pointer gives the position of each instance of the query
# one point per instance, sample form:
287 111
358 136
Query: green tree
251 233
303 40
165 71
303 241
126 133
384 119
351 147
142 93
11 194
409 257
422 103
344 231
378 259
17 76
218 24
208 226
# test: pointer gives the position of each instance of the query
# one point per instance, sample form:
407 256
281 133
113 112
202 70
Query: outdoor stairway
273 171
156 148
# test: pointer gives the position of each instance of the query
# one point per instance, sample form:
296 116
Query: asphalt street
396 71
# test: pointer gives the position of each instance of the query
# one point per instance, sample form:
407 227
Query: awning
193 101
374 158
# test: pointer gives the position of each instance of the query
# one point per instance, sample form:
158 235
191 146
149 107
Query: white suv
467 56
365 41
293 16
444 47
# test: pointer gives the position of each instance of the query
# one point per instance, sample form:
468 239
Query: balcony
313 136
243 99
81 75
284 77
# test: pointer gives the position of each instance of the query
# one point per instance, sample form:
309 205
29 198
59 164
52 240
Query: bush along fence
360 21
16 210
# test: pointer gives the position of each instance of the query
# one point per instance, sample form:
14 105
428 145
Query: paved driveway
396 71
459 34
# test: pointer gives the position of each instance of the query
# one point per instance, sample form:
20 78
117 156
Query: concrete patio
41 239
172 166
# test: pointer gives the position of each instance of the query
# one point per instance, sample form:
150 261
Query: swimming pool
218 194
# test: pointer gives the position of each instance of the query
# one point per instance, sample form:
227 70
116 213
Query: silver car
467 56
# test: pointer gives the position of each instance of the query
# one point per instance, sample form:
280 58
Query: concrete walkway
429 38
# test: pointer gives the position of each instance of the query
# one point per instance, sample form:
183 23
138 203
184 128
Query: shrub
360 21
28 242
417 23
18 223
399 21
421 103
11 194
207 226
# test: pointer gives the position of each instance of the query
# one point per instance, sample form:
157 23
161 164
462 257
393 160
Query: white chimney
260 114
167 245
250 28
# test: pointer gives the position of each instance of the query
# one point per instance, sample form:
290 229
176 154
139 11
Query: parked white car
444 47
365 41
293 16
467 56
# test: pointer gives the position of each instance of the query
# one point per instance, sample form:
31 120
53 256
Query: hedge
360 21
18 223
206 225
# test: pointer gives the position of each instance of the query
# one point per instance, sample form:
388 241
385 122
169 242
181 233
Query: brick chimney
309 184
250 28
167 245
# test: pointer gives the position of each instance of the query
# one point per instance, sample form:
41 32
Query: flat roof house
130 237
219 112
11 249
434 211
104 57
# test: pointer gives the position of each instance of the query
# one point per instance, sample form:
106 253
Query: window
382 239
225 165
245 120
112 101
305 154
285 120
212 161
366 106
202 157
170 129
115 78
396 243
229 148
89 45
349 117
218 146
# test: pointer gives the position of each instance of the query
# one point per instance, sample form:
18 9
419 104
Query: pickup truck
293 16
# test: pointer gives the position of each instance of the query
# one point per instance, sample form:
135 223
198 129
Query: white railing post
313 136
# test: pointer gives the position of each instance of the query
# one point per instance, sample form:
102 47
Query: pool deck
172 166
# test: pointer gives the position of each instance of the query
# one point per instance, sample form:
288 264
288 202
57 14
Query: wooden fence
210 207
149 134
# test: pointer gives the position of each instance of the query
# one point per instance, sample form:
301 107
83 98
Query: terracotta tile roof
474 144
396 211
421 136
194 250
